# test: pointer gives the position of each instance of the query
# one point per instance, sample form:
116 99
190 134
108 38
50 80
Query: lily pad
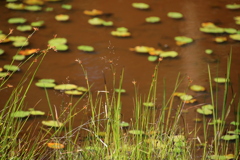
230 30
136 132
11 67
168 54
220 80
233 6
220 39
3 74
55 145
152 58
47 80
62 17
85 48
15 6
59 43
67 6
82 89
107 23
52 123
20 43
235 37
19 57
234 123
4 39
44 84
121 32
120 90
16 20
20 114
65 87
197 88
17 38
148 104
37 23
1 51
34 2
33 8
96 21
230 137
208 51
24 28
36 113
175 15
124 124
186 97
140 5
142 49
93 12
74 92
152 19
181 40
28 52
205 111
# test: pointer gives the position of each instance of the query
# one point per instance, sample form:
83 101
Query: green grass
152 133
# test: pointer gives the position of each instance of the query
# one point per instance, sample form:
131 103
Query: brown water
192 60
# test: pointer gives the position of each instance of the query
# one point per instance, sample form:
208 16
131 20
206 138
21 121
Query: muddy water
61 66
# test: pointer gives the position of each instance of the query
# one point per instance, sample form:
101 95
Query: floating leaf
179 94
136 132
149 104
19 57
15 6
34 2
62 17
27 52
49 9
142 49
186 97
233 6
3 74
204 111
93 12
181 40
229 137
1 51
52 123
4 39
124 124
82 89
107 23
20 114
17 38
220 39
11 67
59 43
152 19
168 54
55 145
235 37
65 87
140 5
33 8
24 28
96 21
67 6
36 113
16 20
152 58
208 51
74 92
120 90
85 48
208 106
20 43
236 131
218 121
197 88
220 80
46 80
175 15
230 30
234 123
37 23
45 84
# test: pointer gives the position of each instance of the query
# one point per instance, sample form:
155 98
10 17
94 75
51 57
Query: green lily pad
124 124
59 43
175 15
234 123
235 37
152 19
230 30
3 74
107 23
11 0
120 90
136 132
11 67
152 58
148 104
205 111
15 6
220 80
95 21
218 157
233 6
168 54
229 137
61 47
62 17
85 48
34 2
181 40
236 131
186 97
33 8
52 123
1 51
208 106
65 87
47 80
36 113
74 92
37 23
20 43
17 38
16 20
208 51
140 5
197 88
67 6
216 121
24 28
44 84
49 9
20 114
212 30
19 57
82 89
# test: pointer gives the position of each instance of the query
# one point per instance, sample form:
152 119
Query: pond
191 62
